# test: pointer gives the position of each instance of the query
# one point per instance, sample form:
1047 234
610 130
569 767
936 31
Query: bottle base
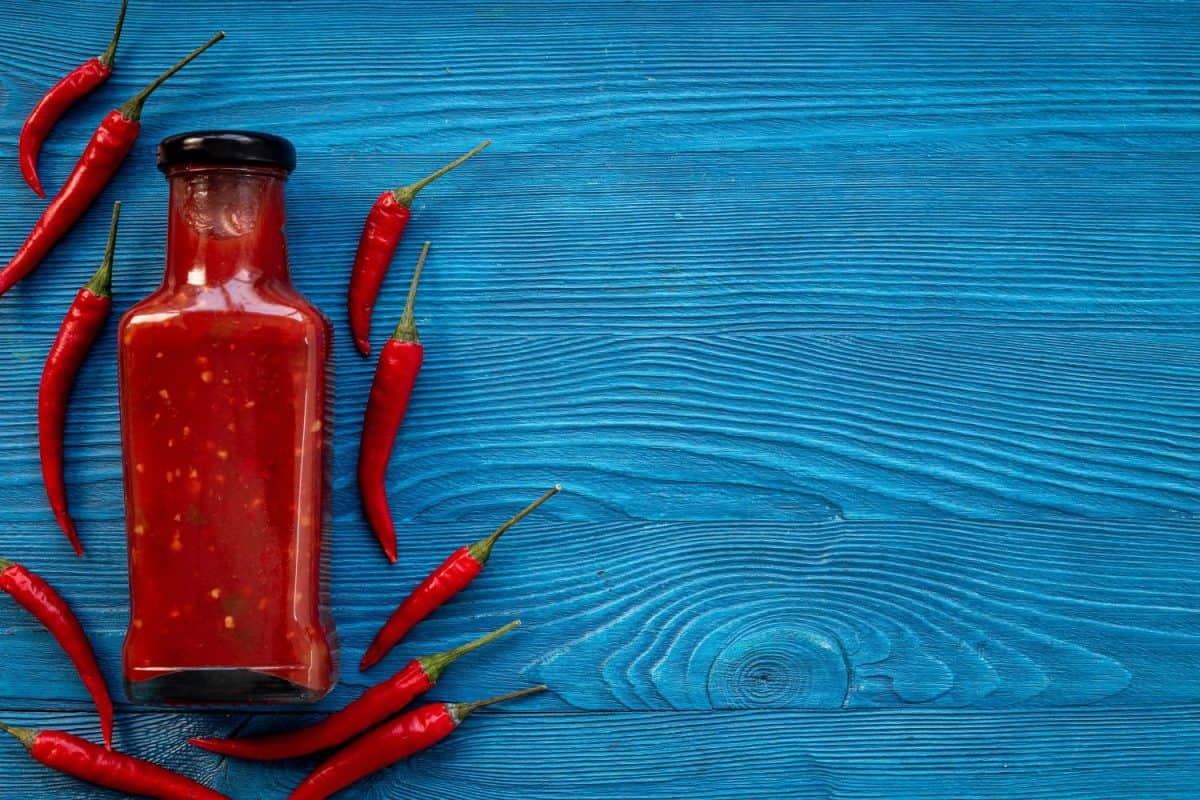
219 687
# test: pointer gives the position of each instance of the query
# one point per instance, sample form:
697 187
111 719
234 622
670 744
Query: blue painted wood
798 755
853 615
862 336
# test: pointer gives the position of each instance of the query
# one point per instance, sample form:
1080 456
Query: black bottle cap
247 148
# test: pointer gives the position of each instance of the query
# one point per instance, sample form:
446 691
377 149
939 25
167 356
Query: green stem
132 109
406 331
106 58
101 283
23 735
482 550
405 194
460 711
434 664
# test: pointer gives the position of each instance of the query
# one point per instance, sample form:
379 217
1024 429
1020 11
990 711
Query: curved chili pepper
37 597
104 154
399 363
81 759
410 733
455 573
385 225
372 707
79 329
76 84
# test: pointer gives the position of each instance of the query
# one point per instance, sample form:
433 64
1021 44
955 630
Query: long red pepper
84 320
104 154
76 84
395 375
81 759
384 226
410 733
372 707
39 599
455 573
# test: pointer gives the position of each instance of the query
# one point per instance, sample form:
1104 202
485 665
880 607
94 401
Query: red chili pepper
81 759
103 155
77 83
455 573
39 598
395 375
372 707
381 233
410 733
79 329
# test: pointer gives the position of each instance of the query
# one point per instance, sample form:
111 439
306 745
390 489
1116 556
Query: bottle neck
226 223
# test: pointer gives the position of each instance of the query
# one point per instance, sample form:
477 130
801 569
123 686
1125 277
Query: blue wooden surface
861 336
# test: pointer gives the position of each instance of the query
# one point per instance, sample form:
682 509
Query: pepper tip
68 526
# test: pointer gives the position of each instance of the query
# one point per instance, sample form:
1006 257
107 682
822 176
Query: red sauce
224 413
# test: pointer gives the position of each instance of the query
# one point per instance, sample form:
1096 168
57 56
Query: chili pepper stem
101 283
482 550
434 664
106 58
406 194
406 331
132 110
23 735
460 711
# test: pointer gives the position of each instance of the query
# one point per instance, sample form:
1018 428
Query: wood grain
862 336
796 428
646 76
700 616
704 244
1086 754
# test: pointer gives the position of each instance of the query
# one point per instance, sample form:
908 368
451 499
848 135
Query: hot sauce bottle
225 411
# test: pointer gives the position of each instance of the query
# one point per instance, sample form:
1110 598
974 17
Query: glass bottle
225 433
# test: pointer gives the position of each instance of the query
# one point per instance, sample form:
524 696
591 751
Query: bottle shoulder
227 308
232 299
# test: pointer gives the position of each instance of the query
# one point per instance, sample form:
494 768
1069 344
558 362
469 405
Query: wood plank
793 755
752 281
645 76
797 428
700 616
551 243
